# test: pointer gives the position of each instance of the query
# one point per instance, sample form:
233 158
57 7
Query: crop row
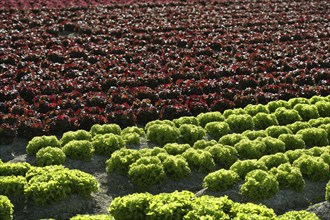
52 183
273 119
284 170
69 69
61 4
177 205
186 205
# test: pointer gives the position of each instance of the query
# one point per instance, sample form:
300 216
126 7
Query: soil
114 185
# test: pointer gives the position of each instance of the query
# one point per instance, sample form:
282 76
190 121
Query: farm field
244 158
129 64
164 109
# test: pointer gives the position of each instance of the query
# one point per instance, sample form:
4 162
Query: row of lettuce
254 120
186 205
222 166
177 205
51 183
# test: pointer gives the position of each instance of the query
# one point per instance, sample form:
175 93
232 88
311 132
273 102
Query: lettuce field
164 109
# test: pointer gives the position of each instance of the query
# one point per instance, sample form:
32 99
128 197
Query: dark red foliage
66 65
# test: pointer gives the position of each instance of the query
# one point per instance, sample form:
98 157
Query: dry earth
113 185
